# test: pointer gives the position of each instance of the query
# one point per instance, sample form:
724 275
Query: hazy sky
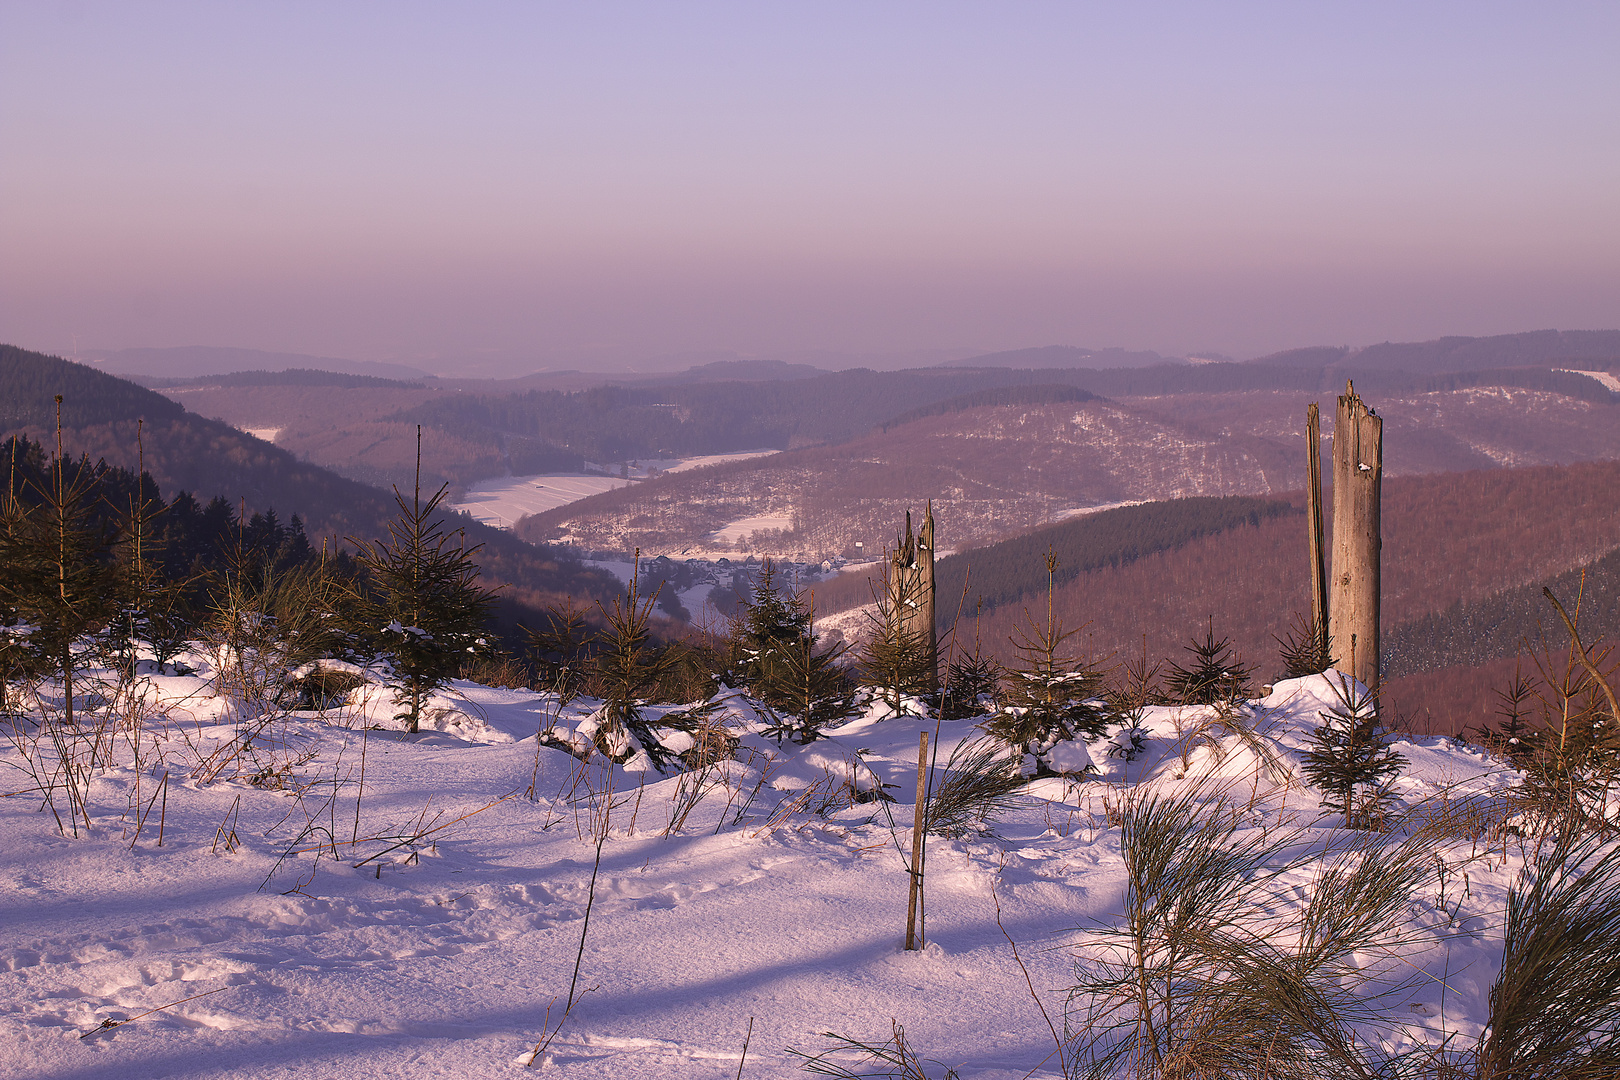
538 182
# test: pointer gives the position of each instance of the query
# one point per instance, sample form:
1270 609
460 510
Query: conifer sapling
425 606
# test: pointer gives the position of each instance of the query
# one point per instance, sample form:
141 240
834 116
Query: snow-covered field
500 502
672 465
737 531
1607 378
346 902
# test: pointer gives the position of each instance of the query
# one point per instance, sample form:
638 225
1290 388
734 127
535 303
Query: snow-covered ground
738 531
375 904
645 466
1609 381
500 502
1082 511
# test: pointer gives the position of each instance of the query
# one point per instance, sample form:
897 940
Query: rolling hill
185 452
997 470
1465 556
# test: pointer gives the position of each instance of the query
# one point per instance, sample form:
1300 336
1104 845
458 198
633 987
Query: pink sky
539 183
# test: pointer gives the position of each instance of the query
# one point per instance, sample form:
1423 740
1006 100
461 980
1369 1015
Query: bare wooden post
913 937
1313 513
1358 472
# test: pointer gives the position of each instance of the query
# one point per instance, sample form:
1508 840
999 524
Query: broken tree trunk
911 592
1358 472
1313 513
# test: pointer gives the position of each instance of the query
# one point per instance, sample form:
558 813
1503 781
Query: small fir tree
1513 737
59 577
896 664
1306 650
558 652
628 671
158 613
812 691
1215 676
766 635
972 685
1349 758
1048 697
426 609
1129 697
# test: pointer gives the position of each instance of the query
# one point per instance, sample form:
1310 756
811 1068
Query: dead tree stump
1358 473
911 591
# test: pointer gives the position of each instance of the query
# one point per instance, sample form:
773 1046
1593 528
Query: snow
501 502
672 465
1607 379
738 531
1082 511
441 956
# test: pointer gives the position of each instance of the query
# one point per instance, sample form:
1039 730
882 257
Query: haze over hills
479 429
190 361
1063 356
1449 354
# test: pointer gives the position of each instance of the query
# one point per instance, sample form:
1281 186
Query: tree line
98 571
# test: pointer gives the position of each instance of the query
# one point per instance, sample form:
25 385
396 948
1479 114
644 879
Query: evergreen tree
425 606
628 670
1048 697
557 653
1513 736
972 685
811 691
57 549
1349 754
766 634
1306 650
896 663
1216 675
158 613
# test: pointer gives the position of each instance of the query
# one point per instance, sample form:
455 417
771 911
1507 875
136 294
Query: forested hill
1014 569
618 423
185 452
29 382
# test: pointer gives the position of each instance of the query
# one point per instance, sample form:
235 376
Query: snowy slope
441 957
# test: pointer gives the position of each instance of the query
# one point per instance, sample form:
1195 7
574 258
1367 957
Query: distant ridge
191 361
284 377
1455 354
1061 356
745 371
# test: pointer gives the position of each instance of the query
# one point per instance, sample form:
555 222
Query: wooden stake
913 935
163 810
1313 513
1358 473
748 1038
